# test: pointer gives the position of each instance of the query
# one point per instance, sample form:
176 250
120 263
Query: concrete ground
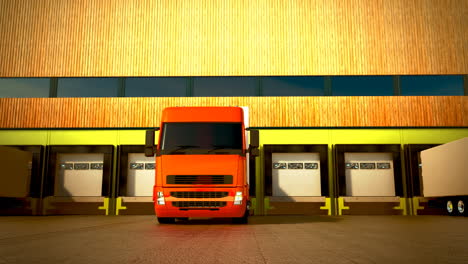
268 239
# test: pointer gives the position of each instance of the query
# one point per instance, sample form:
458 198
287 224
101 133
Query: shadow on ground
262 220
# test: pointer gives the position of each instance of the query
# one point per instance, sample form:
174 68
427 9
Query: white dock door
296 174
140 175
369 174
79 174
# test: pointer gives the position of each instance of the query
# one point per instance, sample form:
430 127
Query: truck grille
199 194
199 179
199 204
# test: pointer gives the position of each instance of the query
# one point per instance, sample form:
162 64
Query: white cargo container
445 175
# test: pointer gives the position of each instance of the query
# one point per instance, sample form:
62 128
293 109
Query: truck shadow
264 220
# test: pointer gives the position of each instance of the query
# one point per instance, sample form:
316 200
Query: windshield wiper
215 147
179 148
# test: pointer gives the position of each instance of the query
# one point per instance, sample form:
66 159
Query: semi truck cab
202 163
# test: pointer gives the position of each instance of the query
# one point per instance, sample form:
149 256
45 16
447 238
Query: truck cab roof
202 114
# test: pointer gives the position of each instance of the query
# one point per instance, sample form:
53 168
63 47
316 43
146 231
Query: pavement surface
267 239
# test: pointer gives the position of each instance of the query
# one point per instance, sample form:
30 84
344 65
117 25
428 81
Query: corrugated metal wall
232 37
366 111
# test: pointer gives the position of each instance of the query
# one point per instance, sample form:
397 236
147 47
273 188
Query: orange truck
202 168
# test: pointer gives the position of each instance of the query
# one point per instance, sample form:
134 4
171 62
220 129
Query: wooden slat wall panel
385 111
465 112
50 38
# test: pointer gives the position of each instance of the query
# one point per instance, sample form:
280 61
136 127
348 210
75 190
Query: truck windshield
201 138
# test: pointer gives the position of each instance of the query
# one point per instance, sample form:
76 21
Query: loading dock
296 179
421 205
135 181
21 195
78 180
368 179
441 174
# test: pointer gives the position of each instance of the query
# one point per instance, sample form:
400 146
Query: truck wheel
166 220
241 220
451 208
461 207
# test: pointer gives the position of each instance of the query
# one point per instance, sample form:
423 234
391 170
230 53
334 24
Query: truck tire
166 220
461 207
241 220
451 207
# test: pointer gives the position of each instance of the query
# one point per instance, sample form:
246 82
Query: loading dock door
79 174
369 174
140 180
15 174
296 174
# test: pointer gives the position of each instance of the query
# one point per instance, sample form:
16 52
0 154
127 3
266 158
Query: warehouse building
344 94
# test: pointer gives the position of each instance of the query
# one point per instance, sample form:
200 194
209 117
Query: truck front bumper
201 207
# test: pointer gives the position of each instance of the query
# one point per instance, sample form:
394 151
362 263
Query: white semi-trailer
445 175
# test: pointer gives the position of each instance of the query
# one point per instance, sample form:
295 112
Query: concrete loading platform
266 239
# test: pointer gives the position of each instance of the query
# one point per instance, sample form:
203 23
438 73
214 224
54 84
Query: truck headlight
238 198
161 198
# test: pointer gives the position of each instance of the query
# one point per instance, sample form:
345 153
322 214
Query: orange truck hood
200 165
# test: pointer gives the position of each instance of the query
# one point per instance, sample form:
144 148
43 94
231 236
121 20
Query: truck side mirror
254 139
254 143
149 142
255 152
